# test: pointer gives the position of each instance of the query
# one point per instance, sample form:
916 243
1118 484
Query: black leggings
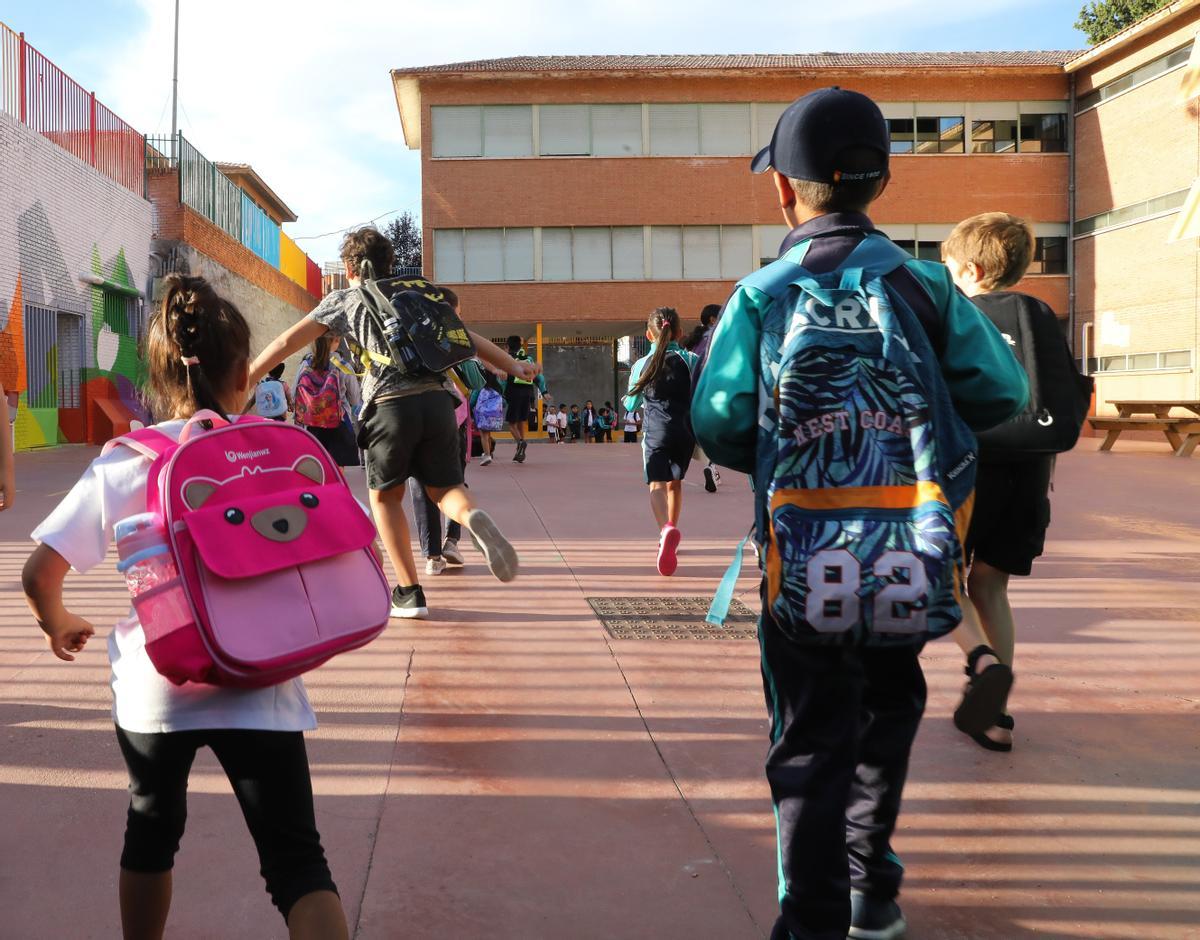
269 774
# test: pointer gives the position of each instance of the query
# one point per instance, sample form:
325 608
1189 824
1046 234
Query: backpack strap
149 442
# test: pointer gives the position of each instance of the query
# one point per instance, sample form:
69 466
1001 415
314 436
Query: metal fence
42 96
215 196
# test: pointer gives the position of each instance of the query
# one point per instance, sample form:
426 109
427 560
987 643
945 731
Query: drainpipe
1071 223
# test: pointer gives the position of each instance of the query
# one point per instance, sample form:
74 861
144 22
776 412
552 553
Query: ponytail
663 327
195 346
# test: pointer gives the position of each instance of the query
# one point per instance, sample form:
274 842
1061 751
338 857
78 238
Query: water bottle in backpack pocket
145 559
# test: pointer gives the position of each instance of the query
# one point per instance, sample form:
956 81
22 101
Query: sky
301 90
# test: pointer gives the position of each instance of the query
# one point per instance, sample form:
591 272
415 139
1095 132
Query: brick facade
1137 293
655 190
74 357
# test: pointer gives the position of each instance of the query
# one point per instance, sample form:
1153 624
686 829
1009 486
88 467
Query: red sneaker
668 545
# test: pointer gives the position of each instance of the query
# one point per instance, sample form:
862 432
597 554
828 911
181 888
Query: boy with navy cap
844 708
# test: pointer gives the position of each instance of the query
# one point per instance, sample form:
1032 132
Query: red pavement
507 770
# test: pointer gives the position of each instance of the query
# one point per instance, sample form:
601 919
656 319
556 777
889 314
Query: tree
1105 18
405 235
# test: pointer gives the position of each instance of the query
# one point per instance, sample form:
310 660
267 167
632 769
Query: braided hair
195 347
663 327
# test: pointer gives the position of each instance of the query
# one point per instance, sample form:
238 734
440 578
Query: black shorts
519 402
667 460
1012 513
340 443
412 436
269 774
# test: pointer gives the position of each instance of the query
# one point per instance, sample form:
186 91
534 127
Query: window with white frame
767 115
1171 361
457 131
616 130
592 253
564 130
483 254
508 131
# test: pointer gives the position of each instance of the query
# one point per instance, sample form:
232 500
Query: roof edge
226 167
408 102
1130 34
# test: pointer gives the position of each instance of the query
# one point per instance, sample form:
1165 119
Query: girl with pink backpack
201 677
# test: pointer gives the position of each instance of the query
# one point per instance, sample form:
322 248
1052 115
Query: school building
567 196
92 217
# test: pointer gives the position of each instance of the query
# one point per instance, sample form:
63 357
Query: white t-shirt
562 420
551 422
80 529
631 423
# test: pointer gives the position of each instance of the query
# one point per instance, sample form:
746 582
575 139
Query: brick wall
60 218
176 222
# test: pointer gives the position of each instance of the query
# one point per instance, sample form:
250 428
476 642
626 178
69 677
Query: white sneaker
485 460
435 565
501 557
452 553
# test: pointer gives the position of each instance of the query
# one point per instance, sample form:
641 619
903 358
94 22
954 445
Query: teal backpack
865 472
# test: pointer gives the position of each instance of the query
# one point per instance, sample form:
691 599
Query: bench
1183 434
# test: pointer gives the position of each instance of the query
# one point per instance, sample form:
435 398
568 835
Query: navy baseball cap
828 136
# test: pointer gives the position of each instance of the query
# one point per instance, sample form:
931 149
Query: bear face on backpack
865 471
272 549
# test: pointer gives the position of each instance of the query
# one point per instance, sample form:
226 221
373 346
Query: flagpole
175 90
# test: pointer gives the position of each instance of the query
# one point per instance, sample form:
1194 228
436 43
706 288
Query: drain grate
671 618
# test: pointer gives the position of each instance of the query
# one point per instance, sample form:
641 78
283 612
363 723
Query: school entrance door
54 357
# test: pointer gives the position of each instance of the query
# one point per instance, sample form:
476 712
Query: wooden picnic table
1182 433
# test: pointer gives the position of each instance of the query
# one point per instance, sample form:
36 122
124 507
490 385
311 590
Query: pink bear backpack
274 553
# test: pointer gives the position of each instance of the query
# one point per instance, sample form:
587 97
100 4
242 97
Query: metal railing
43 97
215 196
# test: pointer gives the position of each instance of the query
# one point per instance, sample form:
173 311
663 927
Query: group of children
844 706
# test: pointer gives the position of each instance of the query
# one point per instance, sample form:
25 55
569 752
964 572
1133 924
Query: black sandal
1004 722
983 700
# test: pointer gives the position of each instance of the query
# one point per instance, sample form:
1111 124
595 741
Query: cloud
301 90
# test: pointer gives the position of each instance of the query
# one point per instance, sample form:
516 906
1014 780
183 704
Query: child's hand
527 370
68 634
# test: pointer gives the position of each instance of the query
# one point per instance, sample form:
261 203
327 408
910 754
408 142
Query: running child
322 403
407 425
834 377
661 383
520 394
197 353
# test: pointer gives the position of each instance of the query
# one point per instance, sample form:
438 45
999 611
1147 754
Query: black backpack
1059 396
421 332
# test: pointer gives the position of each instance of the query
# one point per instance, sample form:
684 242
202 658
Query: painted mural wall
69 347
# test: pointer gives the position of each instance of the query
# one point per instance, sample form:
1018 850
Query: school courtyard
510 769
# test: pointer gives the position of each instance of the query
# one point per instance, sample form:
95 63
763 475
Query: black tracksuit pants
843 720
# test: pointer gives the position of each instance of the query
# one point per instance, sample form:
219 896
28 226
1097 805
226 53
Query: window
1146 362
616 130
725 130
448 255
483 254
457 132
674 130
508 131
767 117
1127 215
666 253
1141 75
1043 133
701 252
737 251
518 254
628 254
994 136
1049 255
940 135
556 254
902 132
591 254
484 249
564 130
770 240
